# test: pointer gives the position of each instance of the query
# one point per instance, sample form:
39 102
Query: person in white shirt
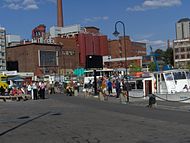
35 90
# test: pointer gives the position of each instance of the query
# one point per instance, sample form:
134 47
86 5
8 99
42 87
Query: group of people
35 89
72 88
106 87
117 87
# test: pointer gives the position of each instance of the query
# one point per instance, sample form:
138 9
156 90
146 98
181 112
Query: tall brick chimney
59 13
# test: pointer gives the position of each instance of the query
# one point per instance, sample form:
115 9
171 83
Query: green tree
152 66
134 68
165 57
168 57
159 51
188 65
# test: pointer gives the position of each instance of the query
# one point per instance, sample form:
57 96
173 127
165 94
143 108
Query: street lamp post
116 33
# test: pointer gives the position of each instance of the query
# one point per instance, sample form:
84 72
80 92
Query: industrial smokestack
59 13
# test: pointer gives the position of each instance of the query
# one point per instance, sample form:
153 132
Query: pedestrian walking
109 87
118 88
152 101
29 88
42 90
35 91
124 97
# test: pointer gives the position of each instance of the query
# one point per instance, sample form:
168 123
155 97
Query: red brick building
88 41
39 32
41 58
69 52
91 45
134 50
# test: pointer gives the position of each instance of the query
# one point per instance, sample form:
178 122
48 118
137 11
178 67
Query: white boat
171 85
172 81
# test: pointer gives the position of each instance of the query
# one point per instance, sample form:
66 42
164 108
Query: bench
15 97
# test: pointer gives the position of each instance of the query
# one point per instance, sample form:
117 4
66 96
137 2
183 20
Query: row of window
183 56
2 62
176 76
2 54
68 53
183 49
181 43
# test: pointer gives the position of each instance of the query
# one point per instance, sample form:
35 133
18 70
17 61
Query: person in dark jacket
118 88
109 87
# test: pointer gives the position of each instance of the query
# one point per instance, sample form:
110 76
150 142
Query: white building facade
12 40
182 53
181 46
183 29
67 31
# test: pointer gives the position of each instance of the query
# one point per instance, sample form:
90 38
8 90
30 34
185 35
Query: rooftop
184 20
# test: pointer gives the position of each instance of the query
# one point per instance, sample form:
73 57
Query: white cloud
54 1
94 19
21 4
14 6
10 1
157 44
30 4
145 36
154 4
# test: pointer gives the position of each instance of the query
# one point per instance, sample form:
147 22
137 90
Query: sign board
79 71
94 61
26 74
10 73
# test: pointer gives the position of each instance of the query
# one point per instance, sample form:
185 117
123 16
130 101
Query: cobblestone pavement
63 119
143 102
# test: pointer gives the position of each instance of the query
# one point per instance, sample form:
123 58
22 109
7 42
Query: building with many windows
183 29
86 40
2 48
41 59
134 53
182 53
181 45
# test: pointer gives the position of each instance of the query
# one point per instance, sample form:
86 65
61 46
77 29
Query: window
179 75
68 53
188 75
48 58
162 77
188 48
183 56
168 76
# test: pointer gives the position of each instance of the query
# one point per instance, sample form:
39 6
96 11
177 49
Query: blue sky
150 21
